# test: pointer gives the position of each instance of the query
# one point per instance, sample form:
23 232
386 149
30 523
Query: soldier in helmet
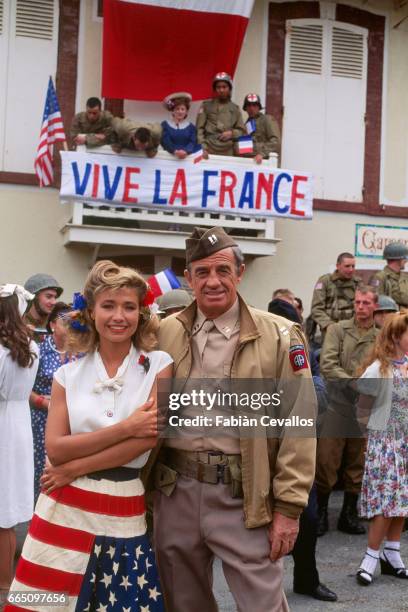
263 129
46 290
219 121
392 281
333 295
385 306
174 301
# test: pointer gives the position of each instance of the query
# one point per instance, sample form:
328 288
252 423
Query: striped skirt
88 540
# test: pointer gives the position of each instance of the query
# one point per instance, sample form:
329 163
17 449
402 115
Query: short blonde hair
106 275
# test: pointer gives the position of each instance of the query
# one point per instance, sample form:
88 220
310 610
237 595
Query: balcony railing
158 230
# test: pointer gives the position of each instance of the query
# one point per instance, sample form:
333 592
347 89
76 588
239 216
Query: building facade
334 75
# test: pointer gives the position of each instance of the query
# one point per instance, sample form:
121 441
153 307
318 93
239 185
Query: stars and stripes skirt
88 540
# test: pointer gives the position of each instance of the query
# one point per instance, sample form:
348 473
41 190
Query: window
28 56
324 105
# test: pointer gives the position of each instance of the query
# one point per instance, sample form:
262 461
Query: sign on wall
371 239
212 186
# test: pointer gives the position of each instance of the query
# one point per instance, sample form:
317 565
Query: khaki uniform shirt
346 346
333 299
213 345
82 125
391 283
266 137
215 117
123 130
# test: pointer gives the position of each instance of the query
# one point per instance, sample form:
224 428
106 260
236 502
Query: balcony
162 233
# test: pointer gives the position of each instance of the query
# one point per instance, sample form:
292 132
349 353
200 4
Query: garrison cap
204 242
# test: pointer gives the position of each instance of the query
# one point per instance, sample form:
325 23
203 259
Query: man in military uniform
392 280
46 291
333 295
263 129
219 121
173 301
93 127
237 497
385 306
136 136
347 344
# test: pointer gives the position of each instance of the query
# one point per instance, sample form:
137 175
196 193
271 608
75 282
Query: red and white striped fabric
52 130
65 531
153 47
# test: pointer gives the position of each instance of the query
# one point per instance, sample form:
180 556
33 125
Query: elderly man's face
214 281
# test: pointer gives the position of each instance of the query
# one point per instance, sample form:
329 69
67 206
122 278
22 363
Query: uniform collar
247 326
225 323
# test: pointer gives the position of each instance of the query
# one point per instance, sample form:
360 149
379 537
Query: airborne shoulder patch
297 357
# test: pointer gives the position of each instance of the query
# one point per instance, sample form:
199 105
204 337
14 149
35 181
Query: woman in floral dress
52 356
384 494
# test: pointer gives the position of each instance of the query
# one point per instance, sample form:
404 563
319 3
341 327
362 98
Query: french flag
163 282
197 156
153 47
245 145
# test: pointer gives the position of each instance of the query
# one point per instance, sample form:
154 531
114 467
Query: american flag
88 540
52 130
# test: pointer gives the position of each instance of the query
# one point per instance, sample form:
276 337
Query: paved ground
339 556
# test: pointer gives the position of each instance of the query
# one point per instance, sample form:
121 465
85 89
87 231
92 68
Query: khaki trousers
197 522
332 453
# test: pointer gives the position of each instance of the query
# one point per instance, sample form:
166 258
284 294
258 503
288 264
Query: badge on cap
252 97
297 357
212 239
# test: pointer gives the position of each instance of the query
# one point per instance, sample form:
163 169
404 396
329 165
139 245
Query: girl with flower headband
18 367
89 523
179 136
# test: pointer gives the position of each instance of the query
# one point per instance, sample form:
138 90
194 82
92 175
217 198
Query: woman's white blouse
95 401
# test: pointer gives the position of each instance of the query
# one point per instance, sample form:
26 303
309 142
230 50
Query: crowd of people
97 380
219 126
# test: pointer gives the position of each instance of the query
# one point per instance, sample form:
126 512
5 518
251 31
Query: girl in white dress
18 367
88 534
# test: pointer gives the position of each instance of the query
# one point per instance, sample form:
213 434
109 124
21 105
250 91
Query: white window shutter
304 98
32 58
324 105
35 18
345 111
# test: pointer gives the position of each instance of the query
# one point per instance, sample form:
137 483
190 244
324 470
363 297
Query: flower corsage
144 361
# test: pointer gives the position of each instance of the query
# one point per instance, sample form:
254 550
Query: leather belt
118 474
209 467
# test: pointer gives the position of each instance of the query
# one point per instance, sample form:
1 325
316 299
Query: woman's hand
143 422
56 477
180 154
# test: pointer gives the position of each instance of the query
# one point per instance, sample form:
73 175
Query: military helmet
252 98
395 250
222 76
386 303
39 282
177 298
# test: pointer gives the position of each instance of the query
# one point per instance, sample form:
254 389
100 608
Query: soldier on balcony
219 121
263 129
136 136
93 127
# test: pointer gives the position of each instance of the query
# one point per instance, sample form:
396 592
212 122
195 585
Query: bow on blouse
22 294
114 383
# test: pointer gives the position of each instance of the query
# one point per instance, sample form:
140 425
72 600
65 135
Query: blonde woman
384 494
88 534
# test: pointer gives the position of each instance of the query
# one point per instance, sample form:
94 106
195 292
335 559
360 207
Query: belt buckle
220 472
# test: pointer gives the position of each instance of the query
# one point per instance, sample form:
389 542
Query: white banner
211 186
